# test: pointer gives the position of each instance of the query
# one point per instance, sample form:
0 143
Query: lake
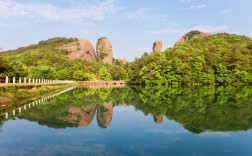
190 121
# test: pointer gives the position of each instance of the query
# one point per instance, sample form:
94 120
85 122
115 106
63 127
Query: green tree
103 74
89 76
63 74
78 75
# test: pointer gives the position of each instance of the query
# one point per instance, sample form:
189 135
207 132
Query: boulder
82 49
191 36
157 46
104 51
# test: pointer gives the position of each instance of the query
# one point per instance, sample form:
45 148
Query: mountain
58 58
198 58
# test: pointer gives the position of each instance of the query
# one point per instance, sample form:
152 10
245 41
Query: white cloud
224 12
86 32
185 1
211 29
146 14
98 10
213 134
169 131
10 25
165 31
204 28
196 7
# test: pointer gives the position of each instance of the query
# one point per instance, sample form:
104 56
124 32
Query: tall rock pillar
104 51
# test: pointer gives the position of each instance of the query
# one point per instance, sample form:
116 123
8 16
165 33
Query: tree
78 75
63 74
89 76
103 74
117 72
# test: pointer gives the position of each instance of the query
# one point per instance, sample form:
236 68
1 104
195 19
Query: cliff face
191 36
82 49
104 51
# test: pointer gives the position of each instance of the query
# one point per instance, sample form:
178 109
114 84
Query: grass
13 93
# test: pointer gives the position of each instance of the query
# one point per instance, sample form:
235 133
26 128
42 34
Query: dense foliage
47 60
217 59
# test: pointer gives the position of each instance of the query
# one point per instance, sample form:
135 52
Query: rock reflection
81 116
104 114
84 116
158 119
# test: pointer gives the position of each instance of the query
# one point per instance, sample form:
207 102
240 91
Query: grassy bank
10 94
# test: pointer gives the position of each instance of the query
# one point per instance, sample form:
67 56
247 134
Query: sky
132 26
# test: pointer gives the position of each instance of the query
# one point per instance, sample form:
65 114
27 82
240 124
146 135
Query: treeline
46 60
217 59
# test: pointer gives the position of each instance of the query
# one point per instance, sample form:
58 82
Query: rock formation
104 51
157 46
104 114
191 36
81 116
121 61
158 119
82 49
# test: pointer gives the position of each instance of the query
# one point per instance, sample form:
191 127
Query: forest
219 59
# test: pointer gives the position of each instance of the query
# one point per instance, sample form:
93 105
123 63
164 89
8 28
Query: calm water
132 121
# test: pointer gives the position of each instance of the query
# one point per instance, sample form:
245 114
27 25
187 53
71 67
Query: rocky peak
82 49
104 50
157 46
191 36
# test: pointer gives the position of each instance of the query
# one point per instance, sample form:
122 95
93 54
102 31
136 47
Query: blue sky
131 25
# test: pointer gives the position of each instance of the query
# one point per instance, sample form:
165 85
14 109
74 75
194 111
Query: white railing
34 103
32 80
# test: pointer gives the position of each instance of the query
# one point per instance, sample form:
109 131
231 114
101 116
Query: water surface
132 121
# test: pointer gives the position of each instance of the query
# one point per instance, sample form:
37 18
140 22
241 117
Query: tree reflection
198 109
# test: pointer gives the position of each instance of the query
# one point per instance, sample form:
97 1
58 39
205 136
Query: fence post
33 81
36 81
25 80
14 80
7 79
20 80
29 80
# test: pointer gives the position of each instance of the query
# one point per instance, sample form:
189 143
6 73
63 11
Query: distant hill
200 59
49 60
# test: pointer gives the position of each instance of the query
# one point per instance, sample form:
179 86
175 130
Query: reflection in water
104 114
81 116
158 119
196 109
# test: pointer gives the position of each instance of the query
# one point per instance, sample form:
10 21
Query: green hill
47 60
215 59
